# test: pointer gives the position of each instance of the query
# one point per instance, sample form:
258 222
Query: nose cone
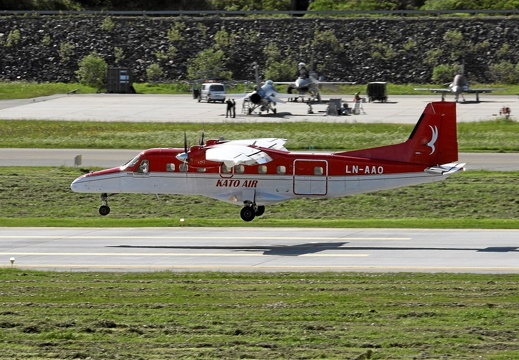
301 83
78 185
97 181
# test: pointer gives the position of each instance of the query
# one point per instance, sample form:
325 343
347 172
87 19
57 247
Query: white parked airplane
457 87
307 84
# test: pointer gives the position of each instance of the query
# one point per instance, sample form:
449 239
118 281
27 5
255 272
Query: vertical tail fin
432 142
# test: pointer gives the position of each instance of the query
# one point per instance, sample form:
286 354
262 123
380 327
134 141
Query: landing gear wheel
104 210
260 210
247 213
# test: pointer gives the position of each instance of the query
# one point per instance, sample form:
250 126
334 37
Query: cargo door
310 177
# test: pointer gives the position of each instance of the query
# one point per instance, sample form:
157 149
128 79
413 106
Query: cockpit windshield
131 163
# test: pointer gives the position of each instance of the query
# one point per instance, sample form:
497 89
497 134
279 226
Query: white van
212 92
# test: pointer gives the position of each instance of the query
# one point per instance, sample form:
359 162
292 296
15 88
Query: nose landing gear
104 209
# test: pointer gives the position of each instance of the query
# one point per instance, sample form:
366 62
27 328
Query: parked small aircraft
258 172
263 99
457 87
307 84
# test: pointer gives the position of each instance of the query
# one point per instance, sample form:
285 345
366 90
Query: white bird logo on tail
431 143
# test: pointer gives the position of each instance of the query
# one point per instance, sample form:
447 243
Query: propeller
183 156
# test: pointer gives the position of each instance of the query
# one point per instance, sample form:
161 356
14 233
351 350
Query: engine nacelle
255 98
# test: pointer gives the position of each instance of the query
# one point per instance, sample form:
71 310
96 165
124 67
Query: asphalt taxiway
183 108
260 249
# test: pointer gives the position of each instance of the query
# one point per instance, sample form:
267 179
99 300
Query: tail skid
432 142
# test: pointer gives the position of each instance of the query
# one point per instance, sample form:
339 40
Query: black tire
104 210
247 213
260 210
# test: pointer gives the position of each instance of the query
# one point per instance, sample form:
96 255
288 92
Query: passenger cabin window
226 169
239 169
144 167
183 167
318 170
170 167
262 169
200 170
281 169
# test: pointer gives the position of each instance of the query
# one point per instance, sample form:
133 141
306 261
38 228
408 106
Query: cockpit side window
144 167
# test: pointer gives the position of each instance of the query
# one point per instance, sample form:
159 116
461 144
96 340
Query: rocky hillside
399 50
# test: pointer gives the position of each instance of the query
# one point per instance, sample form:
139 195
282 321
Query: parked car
212 91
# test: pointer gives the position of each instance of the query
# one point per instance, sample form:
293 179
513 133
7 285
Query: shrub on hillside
92 71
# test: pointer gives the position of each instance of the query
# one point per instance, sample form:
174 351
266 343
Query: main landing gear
104 209
251 210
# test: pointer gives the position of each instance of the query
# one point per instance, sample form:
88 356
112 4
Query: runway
260 249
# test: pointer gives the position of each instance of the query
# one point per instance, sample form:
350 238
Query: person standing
228 112
233 108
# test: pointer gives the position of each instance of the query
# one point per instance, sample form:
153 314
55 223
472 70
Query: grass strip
486 136
165 315
41 196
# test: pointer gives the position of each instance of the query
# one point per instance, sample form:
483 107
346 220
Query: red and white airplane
258 172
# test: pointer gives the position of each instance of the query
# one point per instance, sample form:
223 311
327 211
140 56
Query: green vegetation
272 5
165 315
367 5
154 72
490 136
66 50
26 90
92 71
473 199
208 64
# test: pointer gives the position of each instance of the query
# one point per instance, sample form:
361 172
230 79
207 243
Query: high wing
269 143
246 152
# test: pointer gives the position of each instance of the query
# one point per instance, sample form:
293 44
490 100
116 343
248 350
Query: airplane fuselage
304 85
288 175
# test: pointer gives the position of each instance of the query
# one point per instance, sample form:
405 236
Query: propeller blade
202 140
183 156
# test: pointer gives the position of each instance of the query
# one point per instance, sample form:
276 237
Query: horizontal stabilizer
445 169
